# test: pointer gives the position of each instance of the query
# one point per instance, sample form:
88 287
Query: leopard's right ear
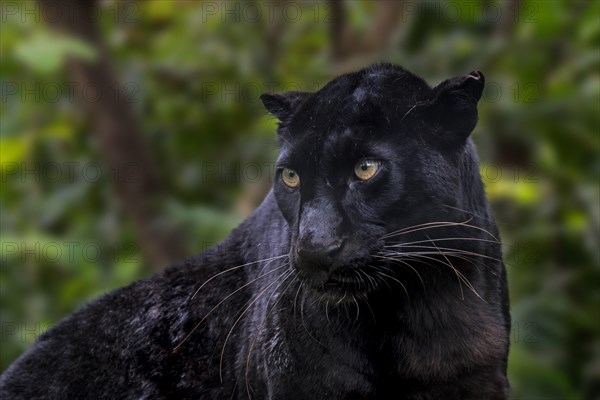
283 105
453 107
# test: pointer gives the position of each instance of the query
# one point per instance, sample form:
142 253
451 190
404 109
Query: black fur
357 304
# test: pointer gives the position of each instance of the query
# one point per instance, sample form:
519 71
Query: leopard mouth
353 278
349 281
342 280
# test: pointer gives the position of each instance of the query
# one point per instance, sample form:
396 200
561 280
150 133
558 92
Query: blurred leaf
523 193
46 52
13 150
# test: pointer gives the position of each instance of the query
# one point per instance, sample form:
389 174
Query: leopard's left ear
453 105
283 105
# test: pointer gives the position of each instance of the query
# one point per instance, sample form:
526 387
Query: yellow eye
290 177
366 169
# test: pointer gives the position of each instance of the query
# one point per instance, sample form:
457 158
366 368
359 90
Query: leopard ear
453 106
283 105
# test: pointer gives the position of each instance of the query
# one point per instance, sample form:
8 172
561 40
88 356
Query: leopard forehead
323 151
365 104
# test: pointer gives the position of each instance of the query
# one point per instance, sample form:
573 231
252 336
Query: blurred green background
132 135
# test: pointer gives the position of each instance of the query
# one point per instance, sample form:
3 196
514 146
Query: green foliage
46 52
195 76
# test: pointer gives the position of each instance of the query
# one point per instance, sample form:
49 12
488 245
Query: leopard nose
319 255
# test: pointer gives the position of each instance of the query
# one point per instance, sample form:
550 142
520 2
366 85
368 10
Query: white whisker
225 299
235 268
256 298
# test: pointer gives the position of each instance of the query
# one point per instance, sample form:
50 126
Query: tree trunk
112 121
353 50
